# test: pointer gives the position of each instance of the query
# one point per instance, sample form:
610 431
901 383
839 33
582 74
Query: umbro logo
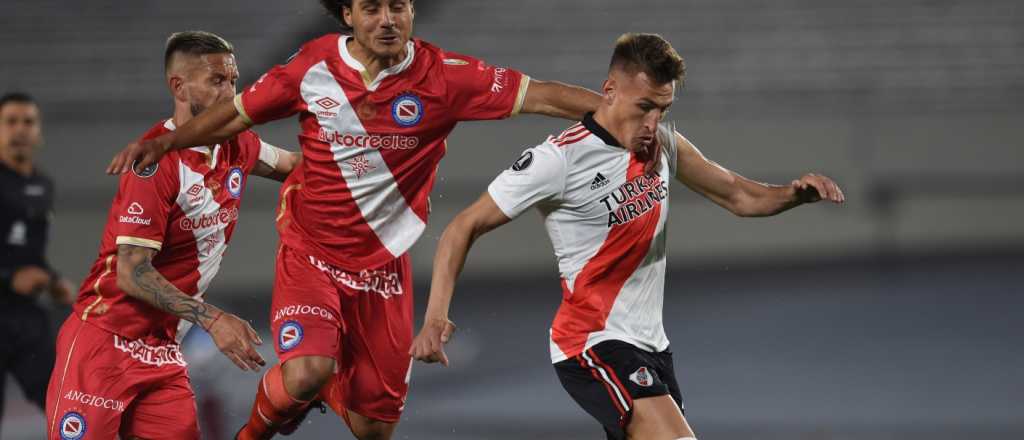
598 182
327 103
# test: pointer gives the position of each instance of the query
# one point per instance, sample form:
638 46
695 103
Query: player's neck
19 163
608 124
373 64
182 114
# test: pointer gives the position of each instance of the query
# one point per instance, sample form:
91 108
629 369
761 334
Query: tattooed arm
137 277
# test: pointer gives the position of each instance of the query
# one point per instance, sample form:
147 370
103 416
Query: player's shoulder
449 60
158 128
327 43
248 136
570 139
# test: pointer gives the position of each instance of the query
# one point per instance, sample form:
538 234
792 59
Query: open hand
237 340
140 154
428 346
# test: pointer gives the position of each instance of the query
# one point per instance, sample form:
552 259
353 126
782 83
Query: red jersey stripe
586 306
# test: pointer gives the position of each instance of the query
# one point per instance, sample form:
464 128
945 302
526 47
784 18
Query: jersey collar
372 83
211 155
599 131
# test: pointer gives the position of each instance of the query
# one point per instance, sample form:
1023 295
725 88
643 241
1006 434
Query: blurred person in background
602 187
26 207
375 110
121 372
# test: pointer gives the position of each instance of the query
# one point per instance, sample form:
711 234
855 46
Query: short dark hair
651 54
195 43
18 97
333 8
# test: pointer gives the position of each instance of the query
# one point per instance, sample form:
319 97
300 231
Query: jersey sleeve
667 133
538 175
276 94
251 146
144 203
478 91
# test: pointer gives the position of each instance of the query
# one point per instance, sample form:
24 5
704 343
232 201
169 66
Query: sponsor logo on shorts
72 426
382 282
290 335
407 110
642 377
169 354
94 400
223 216
303 309
234 182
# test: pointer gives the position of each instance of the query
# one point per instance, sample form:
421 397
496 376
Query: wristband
214 321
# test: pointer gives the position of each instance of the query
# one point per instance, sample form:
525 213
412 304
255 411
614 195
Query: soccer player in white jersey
602 188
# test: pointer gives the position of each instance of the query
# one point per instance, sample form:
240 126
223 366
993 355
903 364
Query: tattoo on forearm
154 289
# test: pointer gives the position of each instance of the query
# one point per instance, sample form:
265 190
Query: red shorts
104 385
364 321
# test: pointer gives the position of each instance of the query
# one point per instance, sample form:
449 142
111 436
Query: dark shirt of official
26 205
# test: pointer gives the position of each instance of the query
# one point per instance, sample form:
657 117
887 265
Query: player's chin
388 46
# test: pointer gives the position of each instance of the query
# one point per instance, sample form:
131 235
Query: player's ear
346 15
177 86
608 88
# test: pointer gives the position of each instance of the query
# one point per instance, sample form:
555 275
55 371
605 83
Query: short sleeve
251 147
667 133
276 94
144 203
478 91
538 175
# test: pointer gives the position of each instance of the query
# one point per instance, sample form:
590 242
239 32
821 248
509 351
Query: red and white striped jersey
185 207
606 221
371 146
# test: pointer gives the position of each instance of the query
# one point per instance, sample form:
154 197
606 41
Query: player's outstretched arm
220 122
276 163
137 277
559 100
745 197
481 217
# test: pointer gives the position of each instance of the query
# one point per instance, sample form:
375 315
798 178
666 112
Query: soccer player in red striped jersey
602 187
375 109
120 372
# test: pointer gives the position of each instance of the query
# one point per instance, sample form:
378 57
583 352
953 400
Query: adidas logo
598 182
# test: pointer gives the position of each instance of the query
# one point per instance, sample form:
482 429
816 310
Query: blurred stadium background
896 316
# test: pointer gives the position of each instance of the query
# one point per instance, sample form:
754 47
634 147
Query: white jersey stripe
368 177
210 242
607 379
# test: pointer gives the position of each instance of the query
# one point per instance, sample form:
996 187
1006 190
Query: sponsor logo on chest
222 217
633 199
374 141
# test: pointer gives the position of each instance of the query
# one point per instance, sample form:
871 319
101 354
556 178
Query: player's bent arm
553 98
219 122
137 277
276 163
480 218
742 196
